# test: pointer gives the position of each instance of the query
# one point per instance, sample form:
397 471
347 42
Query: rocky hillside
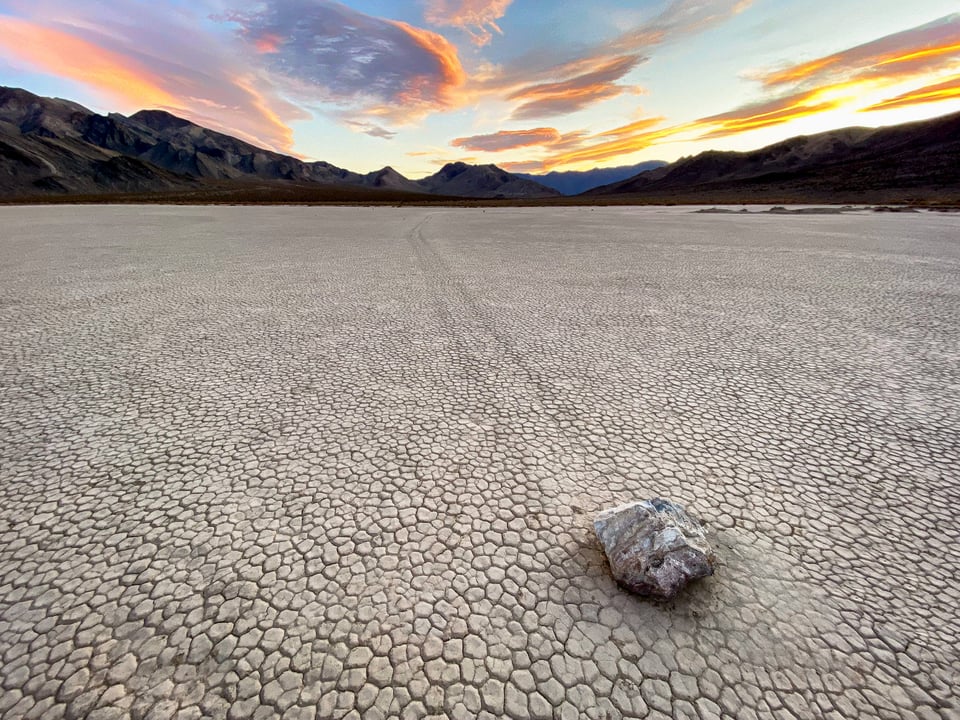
482 181
49 145
908 162
46 147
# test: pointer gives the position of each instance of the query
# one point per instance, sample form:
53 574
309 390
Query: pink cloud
477 17
152 65
508 140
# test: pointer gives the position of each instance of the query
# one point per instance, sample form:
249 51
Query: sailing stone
654 547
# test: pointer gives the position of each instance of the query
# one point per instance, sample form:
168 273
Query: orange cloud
574 93
371 68
948 90
281 132
526 166
607 149
769 114
800 72
432 90
838 81
268 43
508 140
924 49
641 134
592 76
118 77
477 17
949 51
633 128
126 81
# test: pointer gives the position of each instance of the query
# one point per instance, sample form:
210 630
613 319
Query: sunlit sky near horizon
531 85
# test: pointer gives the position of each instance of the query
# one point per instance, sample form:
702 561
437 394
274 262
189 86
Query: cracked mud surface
343 463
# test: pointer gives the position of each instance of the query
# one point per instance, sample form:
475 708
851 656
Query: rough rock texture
654 548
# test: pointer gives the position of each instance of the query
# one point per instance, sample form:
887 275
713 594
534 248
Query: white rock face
655 549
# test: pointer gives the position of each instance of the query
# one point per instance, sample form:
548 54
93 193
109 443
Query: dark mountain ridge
57 146
48 145
574 182
910 162
480 181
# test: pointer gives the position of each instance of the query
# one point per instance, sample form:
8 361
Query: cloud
846 80
922 49
526 166
640 126
769 114
563 148
597 148
507 140
681 18
120 78
947 90
594 74
476 17
325 51
250 73
643 133
135 57
574 93
368 128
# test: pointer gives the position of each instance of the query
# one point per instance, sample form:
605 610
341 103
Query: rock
655 549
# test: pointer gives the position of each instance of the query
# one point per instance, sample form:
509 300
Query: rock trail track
343 462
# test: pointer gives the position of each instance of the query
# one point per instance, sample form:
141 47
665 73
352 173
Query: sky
530 85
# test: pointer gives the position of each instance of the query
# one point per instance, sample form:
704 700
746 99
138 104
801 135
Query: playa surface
343 462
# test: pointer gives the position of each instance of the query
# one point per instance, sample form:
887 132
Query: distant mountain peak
160 120
451 170
574 182
482 181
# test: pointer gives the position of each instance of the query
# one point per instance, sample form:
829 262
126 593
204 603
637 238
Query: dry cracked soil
343 462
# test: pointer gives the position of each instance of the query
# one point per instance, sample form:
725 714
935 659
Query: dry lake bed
343 462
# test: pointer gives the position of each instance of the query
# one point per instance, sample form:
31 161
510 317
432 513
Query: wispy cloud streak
906 54
120 78
507 140
939 92
574 93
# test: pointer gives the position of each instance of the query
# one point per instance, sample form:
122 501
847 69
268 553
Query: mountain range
574 182
49 145
914 162
52 147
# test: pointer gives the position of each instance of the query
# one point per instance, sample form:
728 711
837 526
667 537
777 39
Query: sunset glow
524 85
116 77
